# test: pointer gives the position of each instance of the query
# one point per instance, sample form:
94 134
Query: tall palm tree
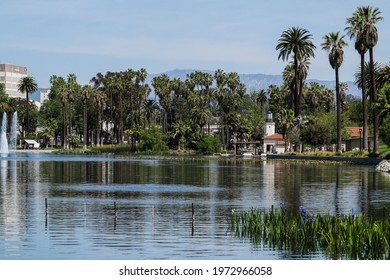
100 100
150 107
296 41
333 44
371 35
261 99
362 26
86 94
27 85
354 29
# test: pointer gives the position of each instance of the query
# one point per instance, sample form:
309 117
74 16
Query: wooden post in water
116 215
193 214
46 212
193 218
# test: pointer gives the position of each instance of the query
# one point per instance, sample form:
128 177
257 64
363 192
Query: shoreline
353 160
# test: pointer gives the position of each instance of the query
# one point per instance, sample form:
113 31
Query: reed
342 236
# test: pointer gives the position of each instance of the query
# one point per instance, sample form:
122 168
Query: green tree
355 26
385 130
86 94
333 44
27 85
162 89
4 100
318 132
150 108
296 41
362 26
383 102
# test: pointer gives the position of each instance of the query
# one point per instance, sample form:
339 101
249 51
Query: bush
208 144
152 141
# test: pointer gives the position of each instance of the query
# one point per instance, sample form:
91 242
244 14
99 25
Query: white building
273 142
10 76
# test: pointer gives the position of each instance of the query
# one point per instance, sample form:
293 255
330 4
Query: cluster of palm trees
116 105
361 27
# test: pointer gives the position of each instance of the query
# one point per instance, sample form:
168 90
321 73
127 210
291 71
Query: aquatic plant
342 236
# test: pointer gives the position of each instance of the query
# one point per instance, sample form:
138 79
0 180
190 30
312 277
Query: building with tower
273 142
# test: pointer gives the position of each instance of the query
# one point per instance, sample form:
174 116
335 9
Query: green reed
341 236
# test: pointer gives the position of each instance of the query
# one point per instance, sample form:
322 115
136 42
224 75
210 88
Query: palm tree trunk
296 89
364 104
85 134
27 114
373 97
338 111
300 96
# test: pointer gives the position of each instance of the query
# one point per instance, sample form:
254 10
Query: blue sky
58 37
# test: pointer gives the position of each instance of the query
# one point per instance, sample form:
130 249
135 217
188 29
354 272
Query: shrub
208 144
152 141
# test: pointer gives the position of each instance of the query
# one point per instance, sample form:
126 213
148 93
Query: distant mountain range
256 81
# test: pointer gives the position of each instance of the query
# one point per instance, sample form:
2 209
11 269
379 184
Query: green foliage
208 144
384 131
342 236
320 132
152 141
73 140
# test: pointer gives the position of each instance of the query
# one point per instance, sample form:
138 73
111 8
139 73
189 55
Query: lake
102 207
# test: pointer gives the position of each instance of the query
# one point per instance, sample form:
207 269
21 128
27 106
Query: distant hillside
256 81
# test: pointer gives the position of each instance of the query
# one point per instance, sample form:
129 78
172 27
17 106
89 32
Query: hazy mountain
256 81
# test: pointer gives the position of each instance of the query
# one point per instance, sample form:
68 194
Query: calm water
154 198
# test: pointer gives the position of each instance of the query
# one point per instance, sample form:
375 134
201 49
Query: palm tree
27 85
355 30
150 107
261 99
100 100
383 101
162 89
86 94
333 44
362 26
286 121
383 76
343 95
296 41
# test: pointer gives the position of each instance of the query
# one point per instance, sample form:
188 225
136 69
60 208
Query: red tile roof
276 136
354 132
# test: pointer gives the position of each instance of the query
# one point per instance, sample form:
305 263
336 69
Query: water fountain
3 136
13 132
4 147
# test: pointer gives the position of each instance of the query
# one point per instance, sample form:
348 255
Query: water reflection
154 197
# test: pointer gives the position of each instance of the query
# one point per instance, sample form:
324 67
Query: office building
10 76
